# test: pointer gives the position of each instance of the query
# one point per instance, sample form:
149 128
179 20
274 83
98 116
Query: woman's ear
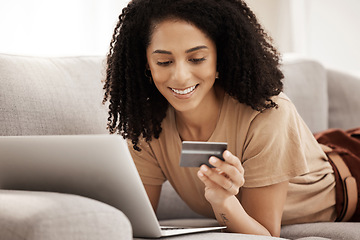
147 67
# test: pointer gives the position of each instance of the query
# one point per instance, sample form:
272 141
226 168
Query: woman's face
182 60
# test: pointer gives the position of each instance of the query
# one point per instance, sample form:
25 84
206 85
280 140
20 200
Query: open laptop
95 166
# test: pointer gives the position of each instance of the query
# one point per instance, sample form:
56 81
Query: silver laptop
95 166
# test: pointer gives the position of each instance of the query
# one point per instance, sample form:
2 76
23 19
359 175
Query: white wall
327 30
274 16
333 34
58 27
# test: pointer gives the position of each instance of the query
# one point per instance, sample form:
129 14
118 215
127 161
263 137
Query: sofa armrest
344 99
29 215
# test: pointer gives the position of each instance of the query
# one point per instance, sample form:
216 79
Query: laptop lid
97 167
94 166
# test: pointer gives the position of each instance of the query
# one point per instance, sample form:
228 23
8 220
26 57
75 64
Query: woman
204 70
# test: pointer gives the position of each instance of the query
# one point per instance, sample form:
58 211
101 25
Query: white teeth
185 91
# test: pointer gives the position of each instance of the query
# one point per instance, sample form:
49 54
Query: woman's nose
182 72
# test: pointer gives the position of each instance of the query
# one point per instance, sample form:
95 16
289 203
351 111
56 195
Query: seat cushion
328 230
29 215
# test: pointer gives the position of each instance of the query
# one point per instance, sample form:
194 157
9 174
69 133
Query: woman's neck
199 124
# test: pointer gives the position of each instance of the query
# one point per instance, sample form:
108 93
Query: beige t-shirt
273 146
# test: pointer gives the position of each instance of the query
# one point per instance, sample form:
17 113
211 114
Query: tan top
273 146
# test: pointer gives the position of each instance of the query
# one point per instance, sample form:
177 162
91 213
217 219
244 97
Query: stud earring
217 75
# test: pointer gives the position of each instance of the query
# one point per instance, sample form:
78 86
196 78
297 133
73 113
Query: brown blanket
347 145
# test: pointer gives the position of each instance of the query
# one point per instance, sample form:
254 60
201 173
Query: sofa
63 95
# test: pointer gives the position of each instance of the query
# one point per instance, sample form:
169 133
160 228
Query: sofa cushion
329 230
53 216
51 96
344 100
171 206
305 84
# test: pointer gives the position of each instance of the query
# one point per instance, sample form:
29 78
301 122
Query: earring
217 75
148 75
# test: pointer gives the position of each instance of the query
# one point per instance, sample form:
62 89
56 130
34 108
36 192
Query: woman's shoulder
281 100
285 107
285 113
234 107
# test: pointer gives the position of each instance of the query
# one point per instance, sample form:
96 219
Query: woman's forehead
179 34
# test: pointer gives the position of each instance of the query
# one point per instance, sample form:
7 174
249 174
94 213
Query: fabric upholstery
55 216
169 199
305 84
45 96
339 230
344 99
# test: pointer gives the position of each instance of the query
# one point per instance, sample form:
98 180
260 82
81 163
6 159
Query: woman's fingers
219 179
205 179
233 160
224 180
228 174
214 193
230 168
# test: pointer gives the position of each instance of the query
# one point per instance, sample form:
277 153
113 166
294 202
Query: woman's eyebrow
162 52
187 51
196 48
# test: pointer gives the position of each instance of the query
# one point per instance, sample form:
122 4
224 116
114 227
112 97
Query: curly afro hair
247 63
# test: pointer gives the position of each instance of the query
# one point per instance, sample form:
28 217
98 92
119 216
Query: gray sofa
53 96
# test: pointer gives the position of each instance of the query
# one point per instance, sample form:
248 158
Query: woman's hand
224 180
261 208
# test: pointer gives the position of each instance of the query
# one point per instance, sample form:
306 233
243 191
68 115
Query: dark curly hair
247 63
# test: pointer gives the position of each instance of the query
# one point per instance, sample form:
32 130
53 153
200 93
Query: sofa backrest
44 96
51 96
63 95
344 100
305 83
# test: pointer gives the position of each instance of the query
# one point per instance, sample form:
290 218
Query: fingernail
204 168
200 174
212 160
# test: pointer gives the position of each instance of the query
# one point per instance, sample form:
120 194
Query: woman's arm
259 210
266 205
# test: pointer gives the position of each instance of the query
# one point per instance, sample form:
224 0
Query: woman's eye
165 63
197 60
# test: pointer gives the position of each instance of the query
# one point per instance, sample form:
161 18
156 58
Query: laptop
94 166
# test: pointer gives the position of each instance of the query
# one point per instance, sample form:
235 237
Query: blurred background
326 30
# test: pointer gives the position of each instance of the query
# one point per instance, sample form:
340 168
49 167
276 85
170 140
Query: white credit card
195 154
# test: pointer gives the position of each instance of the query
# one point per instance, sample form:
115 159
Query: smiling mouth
184 91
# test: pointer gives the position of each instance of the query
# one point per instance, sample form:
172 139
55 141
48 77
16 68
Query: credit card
195 154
